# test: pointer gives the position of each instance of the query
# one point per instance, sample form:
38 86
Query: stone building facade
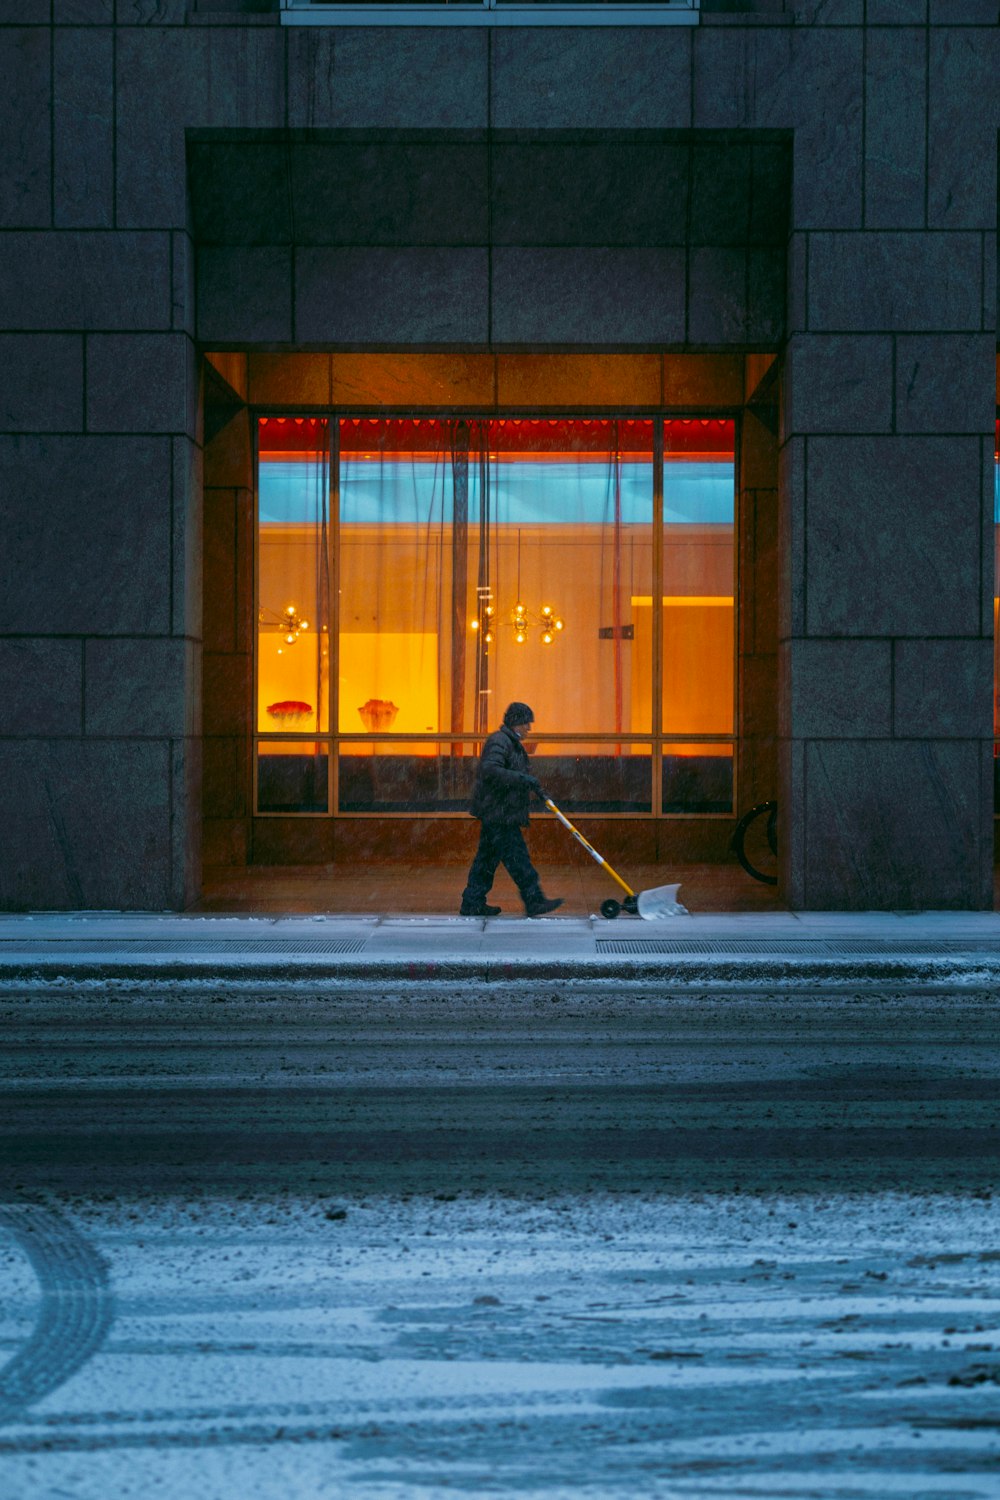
786 211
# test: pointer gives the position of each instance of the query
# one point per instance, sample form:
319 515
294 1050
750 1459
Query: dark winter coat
504 784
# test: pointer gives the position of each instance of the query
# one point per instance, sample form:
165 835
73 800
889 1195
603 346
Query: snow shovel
661 901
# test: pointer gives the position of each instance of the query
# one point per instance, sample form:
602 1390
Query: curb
752 972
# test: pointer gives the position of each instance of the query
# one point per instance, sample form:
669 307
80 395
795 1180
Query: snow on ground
641 1344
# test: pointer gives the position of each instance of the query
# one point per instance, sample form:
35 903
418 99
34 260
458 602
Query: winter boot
541 907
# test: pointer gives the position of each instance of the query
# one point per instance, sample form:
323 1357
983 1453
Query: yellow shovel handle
589 847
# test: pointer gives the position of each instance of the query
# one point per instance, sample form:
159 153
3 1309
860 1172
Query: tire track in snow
77 1306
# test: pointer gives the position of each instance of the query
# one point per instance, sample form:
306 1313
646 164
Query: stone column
886 662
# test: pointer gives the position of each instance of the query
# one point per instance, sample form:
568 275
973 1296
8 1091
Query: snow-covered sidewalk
762 947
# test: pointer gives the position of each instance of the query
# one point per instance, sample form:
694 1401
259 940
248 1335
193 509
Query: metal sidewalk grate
797 947
181 947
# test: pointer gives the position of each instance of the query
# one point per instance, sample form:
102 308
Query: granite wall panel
83 127
25 128
943 689
896 12
591 78
25 12
892 536
41 382
792 460
72 279
240 192
176 78
82 12
838 383
945 383
963 115
895 127
141 382
183 298
87 825
391 297
896 824
41 687
244 295
990 283
902 281
765 296
963 13
187 522
587 296
587 192
390 192
717 295
185 822
826 12
141 688
390 77
721 185
809 79
836 690
87 534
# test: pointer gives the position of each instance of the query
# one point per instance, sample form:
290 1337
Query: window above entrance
489 13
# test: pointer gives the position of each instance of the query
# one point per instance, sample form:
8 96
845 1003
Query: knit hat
518 713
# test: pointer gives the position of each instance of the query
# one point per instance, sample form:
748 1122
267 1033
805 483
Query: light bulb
290 610
488 636
279 651
519 638
546 609
559 624
489 609
303 624
473 624
290 639
546 639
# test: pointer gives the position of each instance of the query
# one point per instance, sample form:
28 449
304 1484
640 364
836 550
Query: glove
534 785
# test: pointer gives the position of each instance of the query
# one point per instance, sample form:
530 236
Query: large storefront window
445 567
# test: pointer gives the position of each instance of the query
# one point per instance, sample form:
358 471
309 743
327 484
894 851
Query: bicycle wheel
755 834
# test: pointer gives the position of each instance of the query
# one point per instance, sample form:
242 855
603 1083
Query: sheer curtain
294 599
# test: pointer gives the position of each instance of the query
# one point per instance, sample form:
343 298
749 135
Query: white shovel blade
661 902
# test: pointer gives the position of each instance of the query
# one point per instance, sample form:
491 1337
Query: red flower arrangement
290 708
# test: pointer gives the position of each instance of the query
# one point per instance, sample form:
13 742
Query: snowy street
529 1239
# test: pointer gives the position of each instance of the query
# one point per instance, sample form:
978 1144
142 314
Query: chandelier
289 622
521 621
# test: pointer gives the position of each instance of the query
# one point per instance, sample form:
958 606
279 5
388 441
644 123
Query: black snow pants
502 844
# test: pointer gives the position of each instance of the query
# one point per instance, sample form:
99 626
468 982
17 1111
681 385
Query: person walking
500 801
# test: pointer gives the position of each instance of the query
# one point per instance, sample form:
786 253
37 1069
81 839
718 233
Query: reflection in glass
432 778
412 777
697 778
292 777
